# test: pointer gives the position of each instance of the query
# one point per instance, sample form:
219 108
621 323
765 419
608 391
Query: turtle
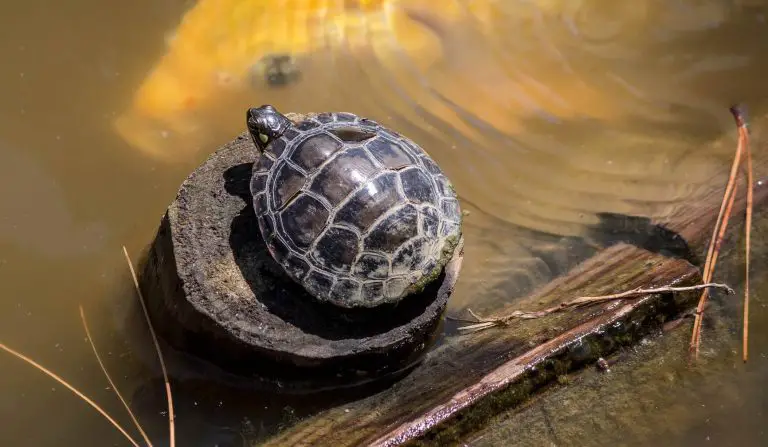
355 212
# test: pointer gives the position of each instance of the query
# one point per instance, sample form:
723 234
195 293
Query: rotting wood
470 378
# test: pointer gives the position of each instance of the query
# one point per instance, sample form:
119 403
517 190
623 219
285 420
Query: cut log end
214 291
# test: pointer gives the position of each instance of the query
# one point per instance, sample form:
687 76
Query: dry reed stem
169 397
109 379
480 323
744 134
77 392
717 234
709 269
743 147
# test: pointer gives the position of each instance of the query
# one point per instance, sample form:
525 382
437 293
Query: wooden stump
214 291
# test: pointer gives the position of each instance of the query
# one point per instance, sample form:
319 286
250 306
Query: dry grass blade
77 392
109 379
479 323
168 395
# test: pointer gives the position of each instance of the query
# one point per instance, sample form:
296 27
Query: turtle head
265 124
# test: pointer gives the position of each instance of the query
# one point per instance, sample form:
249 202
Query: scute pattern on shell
354 212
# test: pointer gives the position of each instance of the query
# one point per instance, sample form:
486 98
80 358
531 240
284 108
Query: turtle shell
357 214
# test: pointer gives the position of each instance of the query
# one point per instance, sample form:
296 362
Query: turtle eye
263 138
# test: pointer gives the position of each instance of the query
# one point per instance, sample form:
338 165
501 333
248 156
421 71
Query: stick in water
109 379
718 232
744 137
484 323
157 348
77 392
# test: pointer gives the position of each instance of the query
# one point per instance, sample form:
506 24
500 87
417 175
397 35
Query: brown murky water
543 112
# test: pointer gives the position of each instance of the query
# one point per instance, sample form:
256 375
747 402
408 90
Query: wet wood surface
471 377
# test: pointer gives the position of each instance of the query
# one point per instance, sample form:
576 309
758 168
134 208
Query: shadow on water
643 233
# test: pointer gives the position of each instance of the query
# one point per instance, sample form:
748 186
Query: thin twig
480 323
641 291
744 136
109 379
709 269
168 395
717 236
77 392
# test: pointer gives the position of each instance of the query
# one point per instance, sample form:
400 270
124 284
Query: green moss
447 254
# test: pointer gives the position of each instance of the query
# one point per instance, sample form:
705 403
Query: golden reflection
448 57
543 112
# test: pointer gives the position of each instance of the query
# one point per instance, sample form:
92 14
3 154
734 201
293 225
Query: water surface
542 112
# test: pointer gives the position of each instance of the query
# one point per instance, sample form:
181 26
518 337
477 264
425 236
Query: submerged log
470 378
214 291
473 376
